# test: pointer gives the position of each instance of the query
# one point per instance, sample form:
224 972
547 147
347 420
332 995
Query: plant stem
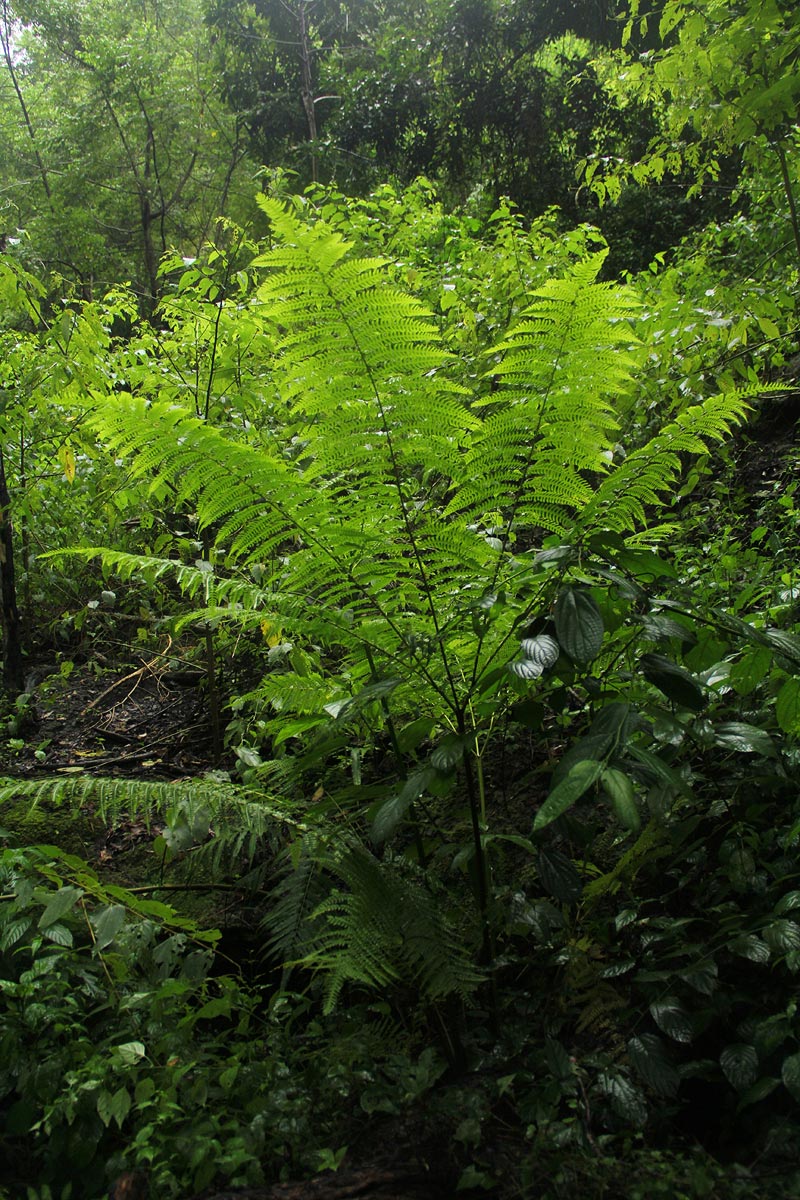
787 187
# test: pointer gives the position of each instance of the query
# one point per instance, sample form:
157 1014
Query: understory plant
429 552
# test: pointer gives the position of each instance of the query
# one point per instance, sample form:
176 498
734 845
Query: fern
384 928
386 513
246 811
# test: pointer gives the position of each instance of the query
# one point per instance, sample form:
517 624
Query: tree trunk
13 664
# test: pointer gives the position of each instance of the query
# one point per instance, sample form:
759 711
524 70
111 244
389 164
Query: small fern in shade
379 924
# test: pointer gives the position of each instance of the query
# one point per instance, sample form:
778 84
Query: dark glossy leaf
658 628
703 977
782 936
558 1060
579 625
759 1091
790 1073
675 682
786 644
626 1099
751 947
650 1057
740 1065
449 753
392 812
558 875
747 739
671 1019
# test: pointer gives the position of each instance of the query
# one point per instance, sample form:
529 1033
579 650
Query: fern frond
383 928
560 370
114 798
642 479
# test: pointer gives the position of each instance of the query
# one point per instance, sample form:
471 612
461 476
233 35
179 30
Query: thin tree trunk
307 87
13 664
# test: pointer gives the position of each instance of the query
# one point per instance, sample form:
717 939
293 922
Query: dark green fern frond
383 928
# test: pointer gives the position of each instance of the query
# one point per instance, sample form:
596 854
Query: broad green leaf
787 644
758 1091
675 682
448 753
658 628
621 795
626 1099
558 1060
579 625
130 1053
650 1057
746 674
739 1062
751 947
389 814
790 1073
59 934
643 564
295 727
747 739
120 1105
787 903
107 923
64 899
787 706
703 977
14 931
782 936
671 1019
578 780
657 770
558 875
411 735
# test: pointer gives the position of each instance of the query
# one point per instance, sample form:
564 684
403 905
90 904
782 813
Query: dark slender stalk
780 150
13 665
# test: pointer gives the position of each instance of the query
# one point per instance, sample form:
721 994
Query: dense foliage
482 544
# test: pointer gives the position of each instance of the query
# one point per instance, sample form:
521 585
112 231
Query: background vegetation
418 384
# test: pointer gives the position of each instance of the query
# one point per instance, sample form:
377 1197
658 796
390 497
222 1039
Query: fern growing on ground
397 523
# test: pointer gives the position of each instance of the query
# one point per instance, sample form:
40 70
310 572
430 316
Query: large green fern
393 519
